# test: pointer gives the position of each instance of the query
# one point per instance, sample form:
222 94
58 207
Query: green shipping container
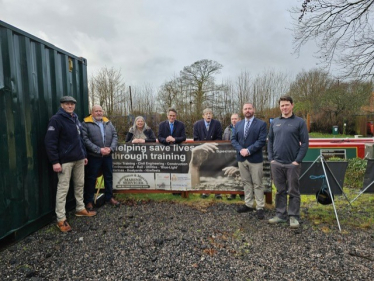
34 75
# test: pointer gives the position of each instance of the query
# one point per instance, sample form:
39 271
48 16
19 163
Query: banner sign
369 177
313 177
180 167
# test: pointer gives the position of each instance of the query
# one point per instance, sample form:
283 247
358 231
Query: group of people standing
287 144
72 145
80 151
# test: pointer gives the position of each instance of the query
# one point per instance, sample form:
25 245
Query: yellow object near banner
99 198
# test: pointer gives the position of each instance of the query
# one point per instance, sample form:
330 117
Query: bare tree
199 77
308 88
144 104
91 92
343 31
328 101
244 88
267 88
192 91
171 94
108 89
341 102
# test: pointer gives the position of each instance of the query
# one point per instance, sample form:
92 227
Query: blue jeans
93 167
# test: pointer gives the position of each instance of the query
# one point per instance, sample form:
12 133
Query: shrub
355 173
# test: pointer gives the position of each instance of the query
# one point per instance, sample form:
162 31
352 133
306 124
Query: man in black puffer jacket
66 152
100 138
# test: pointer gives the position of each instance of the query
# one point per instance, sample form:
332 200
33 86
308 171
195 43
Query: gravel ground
166 241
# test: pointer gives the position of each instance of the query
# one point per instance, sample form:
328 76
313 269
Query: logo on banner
131 181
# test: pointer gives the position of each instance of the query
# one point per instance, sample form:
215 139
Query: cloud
151 41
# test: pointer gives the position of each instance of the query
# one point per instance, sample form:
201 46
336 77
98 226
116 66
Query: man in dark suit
171 130
248 139
207 129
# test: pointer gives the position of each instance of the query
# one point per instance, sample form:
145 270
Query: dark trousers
286 180
93 167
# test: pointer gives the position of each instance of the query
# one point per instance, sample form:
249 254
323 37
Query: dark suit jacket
201 134
179 132
254 142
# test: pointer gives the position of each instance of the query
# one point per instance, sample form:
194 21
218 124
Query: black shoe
260 214
218 196
89 206
244 209
204 195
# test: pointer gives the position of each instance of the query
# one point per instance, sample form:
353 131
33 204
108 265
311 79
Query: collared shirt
250 123
101 126
171 125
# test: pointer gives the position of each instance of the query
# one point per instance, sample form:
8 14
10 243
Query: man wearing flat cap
67 153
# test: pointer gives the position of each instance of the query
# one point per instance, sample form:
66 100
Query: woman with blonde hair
140 132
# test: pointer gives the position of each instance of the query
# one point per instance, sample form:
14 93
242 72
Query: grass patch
360 215
324 135
50 229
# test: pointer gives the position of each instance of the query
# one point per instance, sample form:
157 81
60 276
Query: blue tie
247 129
171 128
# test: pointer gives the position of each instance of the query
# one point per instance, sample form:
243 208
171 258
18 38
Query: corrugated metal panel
33 76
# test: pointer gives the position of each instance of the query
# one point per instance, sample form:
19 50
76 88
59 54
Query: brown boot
85 213
114 202
63 226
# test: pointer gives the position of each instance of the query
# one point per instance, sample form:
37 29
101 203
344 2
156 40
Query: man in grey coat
227 136
100 139
228 131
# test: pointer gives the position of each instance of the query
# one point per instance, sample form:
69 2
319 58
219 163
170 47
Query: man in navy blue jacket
207 129
248 139
67 153
171 131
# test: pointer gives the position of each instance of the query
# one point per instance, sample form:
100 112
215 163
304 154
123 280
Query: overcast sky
152 40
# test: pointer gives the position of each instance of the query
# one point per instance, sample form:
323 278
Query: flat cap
67 99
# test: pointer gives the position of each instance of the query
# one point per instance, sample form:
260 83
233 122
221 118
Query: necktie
207 126
247 129
171 128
